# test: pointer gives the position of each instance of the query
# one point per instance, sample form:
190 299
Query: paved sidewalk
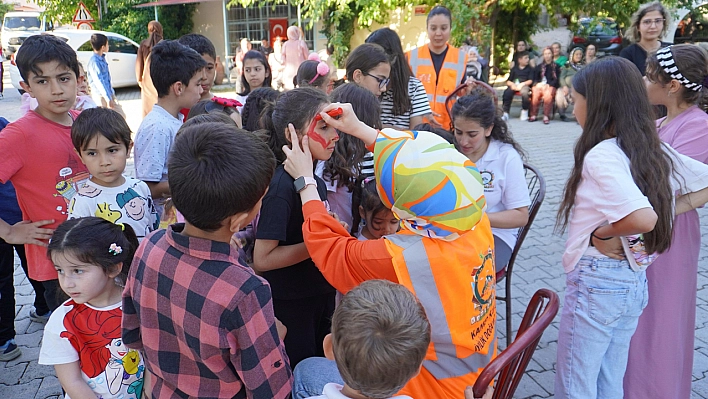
538 266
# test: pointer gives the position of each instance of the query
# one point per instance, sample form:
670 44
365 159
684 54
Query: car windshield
22 23
601 28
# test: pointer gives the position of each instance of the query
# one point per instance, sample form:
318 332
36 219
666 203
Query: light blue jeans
312 374
603 301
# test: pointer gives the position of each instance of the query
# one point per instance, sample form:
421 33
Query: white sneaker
524 115
505 117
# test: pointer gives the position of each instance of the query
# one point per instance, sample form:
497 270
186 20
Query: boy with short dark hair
37 156
177 72
202 45
208 330
520 81
380 335
99 76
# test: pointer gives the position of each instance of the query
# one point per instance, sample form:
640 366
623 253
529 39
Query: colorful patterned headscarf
435 191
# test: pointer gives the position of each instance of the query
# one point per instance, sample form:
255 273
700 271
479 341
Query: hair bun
322 68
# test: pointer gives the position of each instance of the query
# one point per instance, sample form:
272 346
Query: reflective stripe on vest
447 365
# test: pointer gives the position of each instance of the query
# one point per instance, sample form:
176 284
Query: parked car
121 56
17 26
604 33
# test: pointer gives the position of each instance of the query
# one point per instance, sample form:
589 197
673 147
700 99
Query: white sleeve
617 195
419 99
55 349
80 207
153 146
516 193
689 175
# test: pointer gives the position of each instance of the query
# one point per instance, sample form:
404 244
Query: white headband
666 60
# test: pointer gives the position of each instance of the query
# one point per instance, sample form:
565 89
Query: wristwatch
302 182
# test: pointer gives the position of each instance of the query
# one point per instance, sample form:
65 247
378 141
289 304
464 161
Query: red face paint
335 113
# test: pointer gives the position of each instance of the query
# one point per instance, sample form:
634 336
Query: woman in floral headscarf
443 252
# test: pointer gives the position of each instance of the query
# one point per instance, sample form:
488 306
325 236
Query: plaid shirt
205 323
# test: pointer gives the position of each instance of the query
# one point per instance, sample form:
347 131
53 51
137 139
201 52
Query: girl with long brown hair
618 208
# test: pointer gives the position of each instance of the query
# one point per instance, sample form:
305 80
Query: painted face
209 76
580 109
323 139
471 138
255 73
381 224
438 28
135 208
105 161
83 282
117 348
651 25
54 88
377 79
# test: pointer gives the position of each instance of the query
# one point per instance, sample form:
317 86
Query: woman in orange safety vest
438 65
444 252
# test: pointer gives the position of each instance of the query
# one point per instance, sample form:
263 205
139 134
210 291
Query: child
350 159
99 76
545 83
225 106
372 220
621 190
302 298
82 338
83 96
37 155
202 45
177 72
443 253
254 106
208 330
254 74
520 81
369 66
313 73
102 139
372 364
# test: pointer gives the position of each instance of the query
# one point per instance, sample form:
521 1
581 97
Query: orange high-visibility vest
451 74
455 282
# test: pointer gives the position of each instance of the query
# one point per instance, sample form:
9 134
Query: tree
122 17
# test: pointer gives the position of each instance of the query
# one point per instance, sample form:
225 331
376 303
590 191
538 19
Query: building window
252 23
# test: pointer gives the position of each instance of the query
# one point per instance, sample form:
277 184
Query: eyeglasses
382 82
650 22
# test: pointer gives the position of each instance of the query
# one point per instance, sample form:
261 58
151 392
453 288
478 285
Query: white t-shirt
419 105
340 198
504 182
242 100
129 203
92 336
607 193
333 391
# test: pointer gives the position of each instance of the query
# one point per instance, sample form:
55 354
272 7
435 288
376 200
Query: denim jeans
603 301
312 374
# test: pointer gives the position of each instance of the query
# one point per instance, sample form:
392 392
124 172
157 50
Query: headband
666 60
322 70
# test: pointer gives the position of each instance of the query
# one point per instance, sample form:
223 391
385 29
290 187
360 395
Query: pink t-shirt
36 154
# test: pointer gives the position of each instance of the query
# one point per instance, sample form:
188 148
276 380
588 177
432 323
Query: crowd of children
236 294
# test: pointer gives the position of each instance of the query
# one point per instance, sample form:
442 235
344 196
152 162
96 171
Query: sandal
532 119
546 121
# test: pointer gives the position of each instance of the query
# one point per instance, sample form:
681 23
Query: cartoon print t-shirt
129 203
37 155
91 336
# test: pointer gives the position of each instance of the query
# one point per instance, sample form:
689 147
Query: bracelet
599 238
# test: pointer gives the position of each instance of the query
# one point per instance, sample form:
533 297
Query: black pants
308 321
508 97
7 289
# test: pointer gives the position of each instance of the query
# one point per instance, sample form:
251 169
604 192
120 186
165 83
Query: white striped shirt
419 106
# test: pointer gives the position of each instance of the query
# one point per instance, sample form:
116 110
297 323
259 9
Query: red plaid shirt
205 323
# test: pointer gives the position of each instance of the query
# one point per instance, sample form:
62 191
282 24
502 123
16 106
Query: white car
121 55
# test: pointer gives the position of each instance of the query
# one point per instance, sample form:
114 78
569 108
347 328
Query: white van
17 26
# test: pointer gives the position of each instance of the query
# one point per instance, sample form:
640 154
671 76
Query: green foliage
122 17
512 25
5 8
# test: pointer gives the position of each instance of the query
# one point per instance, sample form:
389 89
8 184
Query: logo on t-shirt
487 179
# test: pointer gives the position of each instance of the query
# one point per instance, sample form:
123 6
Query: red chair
509 367
537 192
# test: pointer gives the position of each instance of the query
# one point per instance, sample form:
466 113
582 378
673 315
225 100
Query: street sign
82 14
84 26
